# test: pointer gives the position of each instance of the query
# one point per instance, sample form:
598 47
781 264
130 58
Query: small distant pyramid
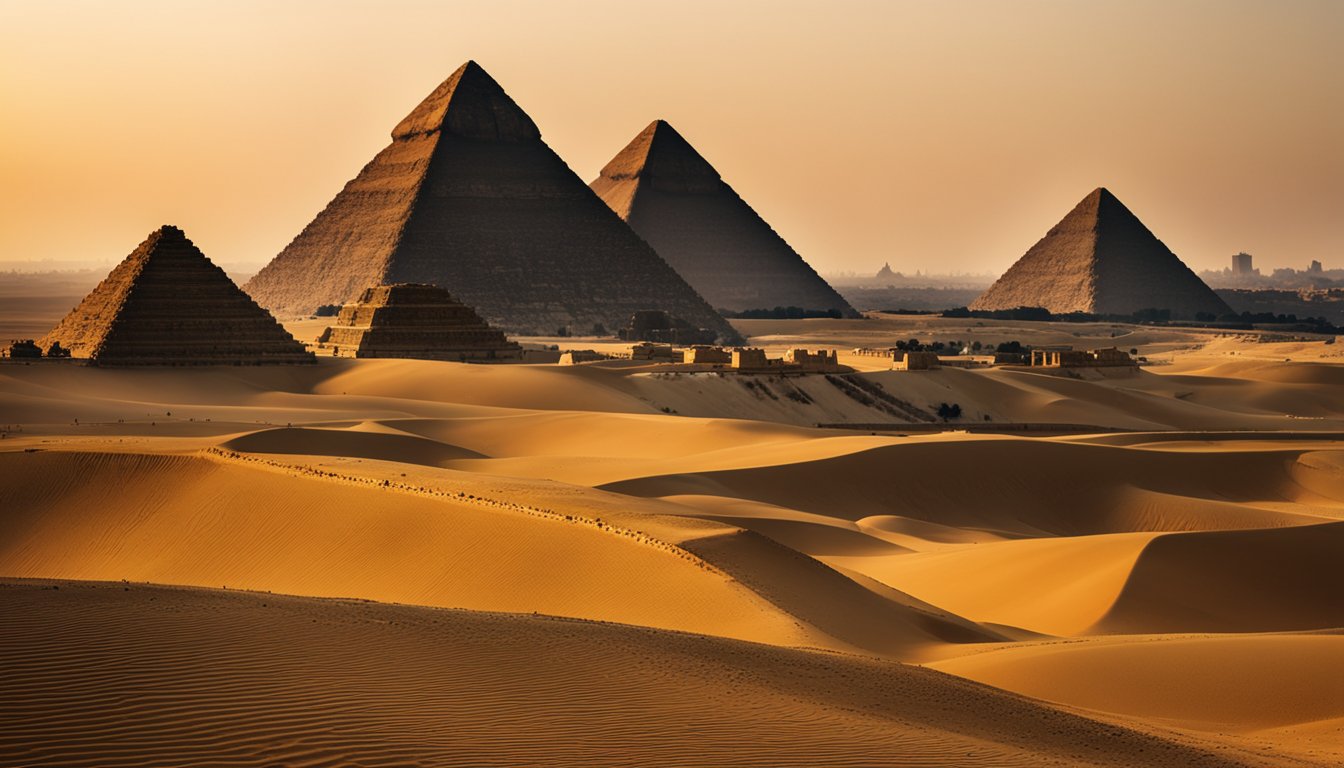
1100 259
167 304
469 198
677 202
415 321
885 273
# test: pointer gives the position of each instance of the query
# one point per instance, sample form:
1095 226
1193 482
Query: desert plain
410 562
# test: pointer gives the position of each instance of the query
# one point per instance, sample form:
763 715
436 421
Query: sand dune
667 501
1234 581
140 675
196 521
1220 683
1008 486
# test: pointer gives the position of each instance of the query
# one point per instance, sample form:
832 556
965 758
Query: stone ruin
915 361
669 194
410 320
1100 259
657 353
1109 357
754 360
167 304
662 327
704 355
469 197
820 361
578 356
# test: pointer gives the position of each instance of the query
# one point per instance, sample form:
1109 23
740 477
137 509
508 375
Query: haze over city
938 137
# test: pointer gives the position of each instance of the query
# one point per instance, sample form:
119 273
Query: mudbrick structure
468 197
1077 358
676 201
167 304
416 321
1101 259
915 361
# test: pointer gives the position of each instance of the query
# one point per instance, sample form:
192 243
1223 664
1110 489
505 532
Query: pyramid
167 304
1100 259
416 321
468 197
677 202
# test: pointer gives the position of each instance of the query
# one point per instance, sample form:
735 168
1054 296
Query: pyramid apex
661 155
469 104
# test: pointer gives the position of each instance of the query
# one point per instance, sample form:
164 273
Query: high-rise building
1241 264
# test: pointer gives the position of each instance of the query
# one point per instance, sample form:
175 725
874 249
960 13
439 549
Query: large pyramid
1102 260
468 197
676 201
167 304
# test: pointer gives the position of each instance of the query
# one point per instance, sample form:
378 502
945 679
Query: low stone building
703 355
820 361
411 320
749 359
658 353
1077 358
915 361
576 356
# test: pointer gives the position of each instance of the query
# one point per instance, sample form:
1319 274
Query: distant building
1076 358
1315 267
750 359
915 361
822 360
576 356
703 355
1241 264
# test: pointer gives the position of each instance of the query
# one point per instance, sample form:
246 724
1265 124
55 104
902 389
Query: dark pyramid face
1100 259
167 304
468 197
676 201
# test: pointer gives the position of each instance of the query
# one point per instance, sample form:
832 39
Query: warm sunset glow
935 136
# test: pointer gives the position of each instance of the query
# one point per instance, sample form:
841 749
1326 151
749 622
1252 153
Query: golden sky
943 136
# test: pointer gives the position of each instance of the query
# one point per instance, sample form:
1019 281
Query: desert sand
423 562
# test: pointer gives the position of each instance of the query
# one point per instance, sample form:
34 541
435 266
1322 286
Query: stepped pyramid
167 304
676 201
468 197
1102 260
416 321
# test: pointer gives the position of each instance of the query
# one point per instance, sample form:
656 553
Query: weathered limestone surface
167 304
677 202
468 197
1101 259
415 321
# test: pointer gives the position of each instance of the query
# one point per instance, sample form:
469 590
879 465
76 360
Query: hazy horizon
937 138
